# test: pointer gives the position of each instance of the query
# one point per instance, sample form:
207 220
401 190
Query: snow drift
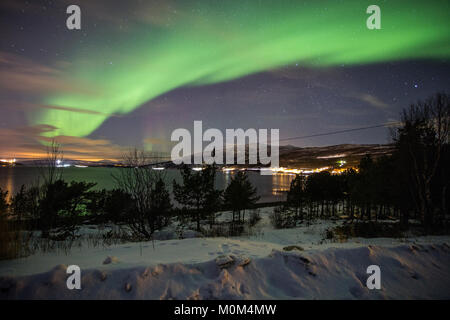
407 272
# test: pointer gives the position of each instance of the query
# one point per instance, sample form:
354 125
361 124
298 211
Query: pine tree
160 204
197 192
3 201
240 194
296 195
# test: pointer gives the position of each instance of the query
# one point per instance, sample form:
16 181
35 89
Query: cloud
24 76
123 13
27 143
372 100
308 74
155 141
26 106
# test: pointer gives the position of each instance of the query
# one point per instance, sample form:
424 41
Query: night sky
137 70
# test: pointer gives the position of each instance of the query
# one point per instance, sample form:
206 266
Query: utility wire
387 124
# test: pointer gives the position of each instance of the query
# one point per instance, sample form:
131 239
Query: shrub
62 206
25 203
255 217
10 243
117 204
282 217
365 230
3 202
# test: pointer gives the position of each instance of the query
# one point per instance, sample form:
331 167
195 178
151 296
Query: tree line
412 183
141 200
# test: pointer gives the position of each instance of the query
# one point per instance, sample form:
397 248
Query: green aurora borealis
213 41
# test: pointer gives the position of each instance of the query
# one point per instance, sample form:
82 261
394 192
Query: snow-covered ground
256 267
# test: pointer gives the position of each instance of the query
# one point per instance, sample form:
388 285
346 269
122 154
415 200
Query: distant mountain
348 155
101 163
315 157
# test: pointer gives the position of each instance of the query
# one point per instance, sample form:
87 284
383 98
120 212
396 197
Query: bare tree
50 171
422 141
50 167
151 201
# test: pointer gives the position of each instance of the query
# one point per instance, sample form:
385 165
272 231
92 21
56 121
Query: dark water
270 188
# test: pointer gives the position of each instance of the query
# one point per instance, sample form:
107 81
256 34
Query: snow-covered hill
296 263
407 272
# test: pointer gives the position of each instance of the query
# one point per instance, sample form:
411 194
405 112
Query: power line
387 124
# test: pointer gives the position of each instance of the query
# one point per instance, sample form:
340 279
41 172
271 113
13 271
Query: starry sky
137 70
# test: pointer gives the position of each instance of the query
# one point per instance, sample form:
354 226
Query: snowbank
407 272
